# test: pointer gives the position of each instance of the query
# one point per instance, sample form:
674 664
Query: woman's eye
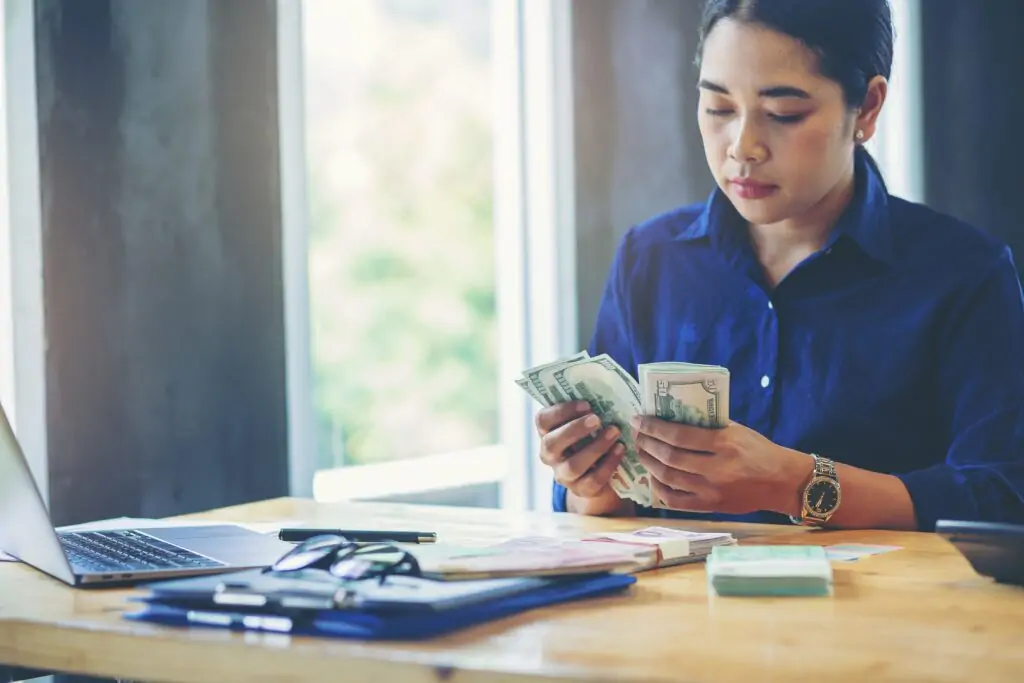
788 118
718 112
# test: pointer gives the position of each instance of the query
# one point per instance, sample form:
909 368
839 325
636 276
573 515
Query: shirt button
765 382
770 306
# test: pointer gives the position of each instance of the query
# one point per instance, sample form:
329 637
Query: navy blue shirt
895 348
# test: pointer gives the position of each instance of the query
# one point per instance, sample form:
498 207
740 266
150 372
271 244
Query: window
898 146
425 125
22 347
399 140
6 295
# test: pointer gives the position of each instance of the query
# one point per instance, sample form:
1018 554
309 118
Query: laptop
124 556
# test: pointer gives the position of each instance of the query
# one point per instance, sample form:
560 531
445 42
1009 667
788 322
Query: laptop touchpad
233 545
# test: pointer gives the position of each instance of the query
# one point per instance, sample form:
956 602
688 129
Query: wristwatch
821 496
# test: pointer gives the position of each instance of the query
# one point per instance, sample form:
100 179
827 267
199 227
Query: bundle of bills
774 570
673 546
687 393
530 556
534 555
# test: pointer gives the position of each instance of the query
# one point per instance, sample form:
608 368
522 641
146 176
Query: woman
873 344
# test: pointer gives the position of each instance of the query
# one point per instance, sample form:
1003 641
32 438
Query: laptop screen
26 531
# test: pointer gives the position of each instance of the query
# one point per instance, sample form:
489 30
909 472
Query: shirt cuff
939 492
558 493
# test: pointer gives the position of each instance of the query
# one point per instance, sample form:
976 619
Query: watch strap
823 467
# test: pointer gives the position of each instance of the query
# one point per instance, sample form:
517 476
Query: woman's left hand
730 470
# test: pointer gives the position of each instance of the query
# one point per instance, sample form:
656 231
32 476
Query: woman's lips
752 189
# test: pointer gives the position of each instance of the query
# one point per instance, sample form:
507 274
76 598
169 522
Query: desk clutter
329 586
313 602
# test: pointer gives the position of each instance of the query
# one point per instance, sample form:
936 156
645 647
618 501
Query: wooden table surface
917 614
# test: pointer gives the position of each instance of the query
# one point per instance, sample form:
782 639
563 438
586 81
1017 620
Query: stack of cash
771 570
687 393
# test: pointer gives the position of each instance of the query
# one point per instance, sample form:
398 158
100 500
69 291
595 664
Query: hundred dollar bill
615 398
687 393
535 379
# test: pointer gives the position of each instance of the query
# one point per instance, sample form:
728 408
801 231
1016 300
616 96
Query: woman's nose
747 146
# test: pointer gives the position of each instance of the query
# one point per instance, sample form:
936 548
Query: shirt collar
865 220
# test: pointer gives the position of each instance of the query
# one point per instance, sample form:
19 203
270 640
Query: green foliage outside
402 277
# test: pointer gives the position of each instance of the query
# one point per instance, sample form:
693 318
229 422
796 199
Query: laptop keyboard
121 551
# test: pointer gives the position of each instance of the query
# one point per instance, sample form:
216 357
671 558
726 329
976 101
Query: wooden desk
919 614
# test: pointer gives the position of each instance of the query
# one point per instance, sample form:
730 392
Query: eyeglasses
346 559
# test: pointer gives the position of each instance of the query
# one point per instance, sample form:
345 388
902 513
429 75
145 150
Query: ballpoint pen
295 535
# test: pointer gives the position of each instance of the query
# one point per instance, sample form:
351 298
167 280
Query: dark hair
852 38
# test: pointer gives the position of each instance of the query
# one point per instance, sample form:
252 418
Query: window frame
22 339
898 145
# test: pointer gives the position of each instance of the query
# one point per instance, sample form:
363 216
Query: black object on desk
359 536
993 549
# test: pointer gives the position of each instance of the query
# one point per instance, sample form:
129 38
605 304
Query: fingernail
592 421
582 406
611 433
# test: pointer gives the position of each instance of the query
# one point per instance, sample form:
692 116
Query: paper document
851 552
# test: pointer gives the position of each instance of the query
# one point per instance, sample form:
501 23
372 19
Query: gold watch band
824 468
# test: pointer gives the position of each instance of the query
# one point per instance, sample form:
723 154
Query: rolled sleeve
558 497
980 382
976 483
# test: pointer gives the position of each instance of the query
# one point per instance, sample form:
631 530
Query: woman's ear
867 115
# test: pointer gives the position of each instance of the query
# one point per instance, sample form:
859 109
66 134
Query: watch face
822 496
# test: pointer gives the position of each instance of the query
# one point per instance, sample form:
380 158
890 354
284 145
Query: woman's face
778 136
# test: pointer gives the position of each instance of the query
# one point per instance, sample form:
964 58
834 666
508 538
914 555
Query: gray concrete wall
638 148
973 105
161 255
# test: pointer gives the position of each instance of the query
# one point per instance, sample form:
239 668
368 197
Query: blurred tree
402 289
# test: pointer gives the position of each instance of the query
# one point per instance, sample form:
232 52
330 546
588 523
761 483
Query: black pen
298 535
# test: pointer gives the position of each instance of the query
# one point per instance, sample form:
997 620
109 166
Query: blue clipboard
382 625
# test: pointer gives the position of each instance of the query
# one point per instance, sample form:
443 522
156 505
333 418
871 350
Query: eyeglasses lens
373 560
309 553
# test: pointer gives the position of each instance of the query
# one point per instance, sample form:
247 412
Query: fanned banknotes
687 393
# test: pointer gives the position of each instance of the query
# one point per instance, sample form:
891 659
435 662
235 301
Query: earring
860 135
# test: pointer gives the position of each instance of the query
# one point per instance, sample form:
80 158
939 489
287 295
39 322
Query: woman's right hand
584 471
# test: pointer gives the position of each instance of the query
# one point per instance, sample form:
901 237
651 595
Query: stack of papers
617 552
528 556
773 570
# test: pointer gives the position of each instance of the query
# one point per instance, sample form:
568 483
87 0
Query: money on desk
687 393
769 570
